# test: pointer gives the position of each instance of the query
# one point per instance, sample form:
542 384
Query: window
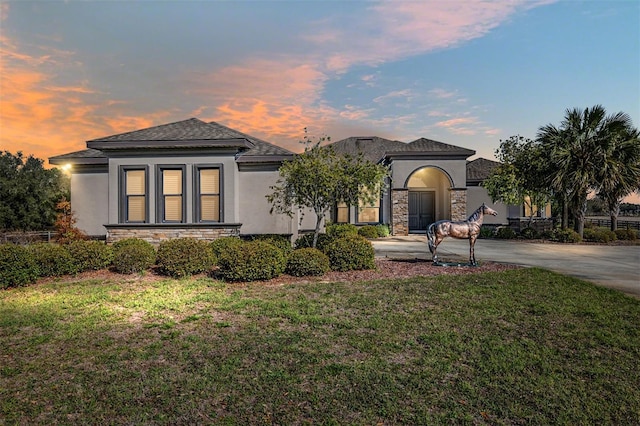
171 189
342 213
207 194
368 213
133 206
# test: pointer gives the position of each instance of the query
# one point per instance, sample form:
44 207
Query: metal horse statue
466 229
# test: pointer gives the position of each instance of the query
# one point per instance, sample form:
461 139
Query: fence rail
28 237
622 224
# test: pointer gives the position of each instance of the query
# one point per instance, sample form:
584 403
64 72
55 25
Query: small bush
251 261
223 244
529 233
505 233
338 230
487 232
17 266
626 234
181 257
351 252
90 255
306 240
307 261
599 235
52 259
383 230
566 236
280 241
133 255
370 232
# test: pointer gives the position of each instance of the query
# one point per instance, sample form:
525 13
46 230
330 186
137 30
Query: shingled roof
376 149
186 134
479 169
86 156
373 148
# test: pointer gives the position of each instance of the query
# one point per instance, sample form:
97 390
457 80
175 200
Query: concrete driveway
615 267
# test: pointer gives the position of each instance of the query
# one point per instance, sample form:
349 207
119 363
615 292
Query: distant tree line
29 193
589 152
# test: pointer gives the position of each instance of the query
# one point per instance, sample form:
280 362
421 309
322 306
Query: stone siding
399 212
157 234
458 204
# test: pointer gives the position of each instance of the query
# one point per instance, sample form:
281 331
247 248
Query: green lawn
523 346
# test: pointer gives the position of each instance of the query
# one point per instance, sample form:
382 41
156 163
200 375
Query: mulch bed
386 268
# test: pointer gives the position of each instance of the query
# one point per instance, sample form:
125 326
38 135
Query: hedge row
261 258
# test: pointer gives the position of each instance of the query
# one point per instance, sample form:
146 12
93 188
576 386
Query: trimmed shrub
370 232
338 230
307 261
17 266
280 241
133 255
306 240
626 234
487 232
181 257
90 255
251 261
529 233
566 236
599 235
52 260
223 244
383 230
505 233
351 252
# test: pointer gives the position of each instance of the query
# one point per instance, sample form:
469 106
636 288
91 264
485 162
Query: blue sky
468 73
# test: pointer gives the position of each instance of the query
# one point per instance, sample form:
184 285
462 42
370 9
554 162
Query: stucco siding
229 178
476 195
402 169
89 201
254 207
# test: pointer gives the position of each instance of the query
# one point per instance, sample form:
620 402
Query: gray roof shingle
376 149
480 169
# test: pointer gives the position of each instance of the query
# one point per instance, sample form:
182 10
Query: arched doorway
429 193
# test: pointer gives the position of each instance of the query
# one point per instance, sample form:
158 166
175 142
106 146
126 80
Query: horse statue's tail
431 237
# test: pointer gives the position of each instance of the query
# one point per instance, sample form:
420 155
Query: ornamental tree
319 179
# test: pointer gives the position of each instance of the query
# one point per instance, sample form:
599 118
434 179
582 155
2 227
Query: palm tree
619 175
578 150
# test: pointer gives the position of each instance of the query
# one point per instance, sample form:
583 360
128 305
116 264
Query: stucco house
205 180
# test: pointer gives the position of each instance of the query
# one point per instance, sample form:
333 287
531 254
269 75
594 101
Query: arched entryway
429 197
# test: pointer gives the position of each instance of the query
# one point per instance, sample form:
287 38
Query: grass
521 346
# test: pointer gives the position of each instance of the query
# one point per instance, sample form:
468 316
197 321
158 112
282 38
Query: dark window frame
160 195
197 194
358 222
123 199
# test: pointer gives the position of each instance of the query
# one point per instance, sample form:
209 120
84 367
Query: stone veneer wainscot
155 233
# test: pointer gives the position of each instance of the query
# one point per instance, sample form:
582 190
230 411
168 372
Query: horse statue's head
488 210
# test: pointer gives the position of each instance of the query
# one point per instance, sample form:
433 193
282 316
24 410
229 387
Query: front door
422 210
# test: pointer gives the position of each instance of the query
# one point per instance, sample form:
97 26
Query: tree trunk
316 232
581 212
614 211
565 212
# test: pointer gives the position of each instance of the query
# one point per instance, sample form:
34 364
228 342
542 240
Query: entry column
458 203
400 211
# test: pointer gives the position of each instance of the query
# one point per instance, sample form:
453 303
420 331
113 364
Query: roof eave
59 161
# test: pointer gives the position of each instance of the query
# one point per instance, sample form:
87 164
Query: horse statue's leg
472 252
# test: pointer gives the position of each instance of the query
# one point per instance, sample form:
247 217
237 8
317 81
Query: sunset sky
468 73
